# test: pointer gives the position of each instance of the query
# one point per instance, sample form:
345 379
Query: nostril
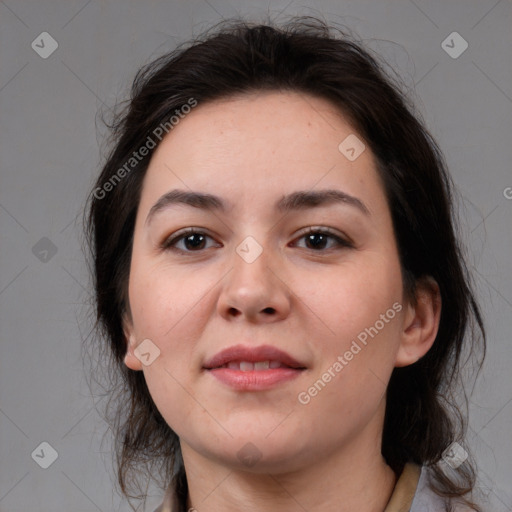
234 312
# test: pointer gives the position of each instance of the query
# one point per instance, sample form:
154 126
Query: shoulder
415 481
426 500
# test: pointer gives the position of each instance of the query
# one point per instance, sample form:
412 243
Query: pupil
317 240
189 241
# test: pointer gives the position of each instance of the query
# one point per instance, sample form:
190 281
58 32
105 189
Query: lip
253 380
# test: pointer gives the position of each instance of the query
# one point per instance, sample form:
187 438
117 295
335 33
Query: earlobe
421 323
130 360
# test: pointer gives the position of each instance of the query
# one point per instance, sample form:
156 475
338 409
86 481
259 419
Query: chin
256 459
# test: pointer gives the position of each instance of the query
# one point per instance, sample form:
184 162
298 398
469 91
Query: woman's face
296 252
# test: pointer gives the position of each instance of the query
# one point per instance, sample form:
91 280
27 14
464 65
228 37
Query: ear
421 323
130 360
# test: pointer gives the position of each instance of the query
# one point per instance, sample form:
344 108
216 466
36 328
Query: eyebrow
295 201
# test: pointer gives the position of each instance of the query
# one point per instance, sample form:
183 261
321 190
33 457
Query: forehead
257 146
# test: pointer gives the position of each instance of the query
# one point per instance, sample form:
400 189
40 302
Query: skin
251 150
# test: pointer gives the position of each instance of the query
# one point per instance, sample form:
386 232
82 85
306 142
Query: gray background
50 155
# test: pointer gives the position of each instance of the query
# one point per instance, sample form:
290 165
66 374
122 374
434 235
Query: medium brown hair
307 56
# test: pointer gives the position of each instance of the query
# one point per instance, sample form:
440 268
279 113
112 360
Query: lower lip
254 380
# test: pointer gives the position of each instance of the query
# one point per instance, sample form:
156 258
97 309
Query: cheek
166 301
356 353
349 299
360 309
168 307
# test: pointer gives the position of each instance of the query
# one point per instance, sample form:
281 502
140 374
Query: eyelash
169 243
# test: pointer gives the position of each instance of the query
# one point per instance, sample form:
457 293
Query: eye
189 240
195 240
319 239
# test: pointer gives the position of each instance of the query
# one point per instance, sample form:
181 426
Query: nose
254 291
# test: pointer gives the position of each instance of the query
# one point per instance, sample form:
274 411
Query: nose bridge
251 267
251 288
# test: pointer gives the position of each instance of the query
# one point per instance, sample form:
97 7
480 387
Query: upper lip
252 354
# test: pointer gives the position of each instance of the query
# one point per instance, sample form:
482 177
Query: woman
279 282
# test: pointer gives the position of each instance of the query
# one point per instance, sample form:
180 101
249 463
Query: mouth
258 366
253 368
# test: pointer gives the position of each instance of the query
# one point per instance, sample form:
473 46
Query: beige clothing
411 494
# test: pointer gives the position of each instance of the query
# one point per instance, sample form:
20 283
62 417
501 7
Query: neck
355 478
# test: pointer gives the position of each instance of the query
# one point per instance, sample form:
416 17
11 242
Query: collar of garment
410 488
